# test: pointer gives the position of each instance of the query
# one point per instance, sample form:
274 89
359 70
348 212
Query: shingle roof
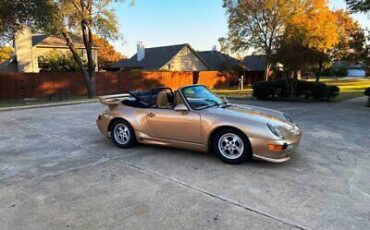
217 60
155 57
50 40
255 62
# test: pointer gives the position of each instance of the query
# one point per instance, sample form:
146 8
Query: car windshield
199 97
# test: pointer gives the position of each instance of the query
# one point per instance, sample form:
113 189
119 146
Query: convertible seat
162 100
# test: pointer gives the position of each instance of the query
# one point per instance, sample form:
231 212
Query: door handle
151 115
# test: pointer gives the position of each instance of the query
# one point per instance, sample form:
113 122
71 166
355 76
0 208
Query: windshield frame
201 108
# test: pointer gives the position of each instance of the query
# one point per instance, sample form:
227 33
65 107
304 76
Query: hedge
282 88
367 92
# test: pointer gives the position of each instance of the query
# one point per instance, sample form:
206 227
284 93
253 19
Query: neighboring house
220 61
29 47
168 58
255 62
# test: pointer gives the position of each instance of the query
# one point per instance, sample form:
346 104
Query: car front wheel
231 146
123 134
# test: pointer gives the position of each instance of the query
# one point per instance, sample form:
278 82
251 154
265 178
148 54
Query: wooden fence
40 85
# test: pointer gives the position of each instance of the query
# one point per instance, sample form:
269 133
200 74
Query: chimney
140 51
23 50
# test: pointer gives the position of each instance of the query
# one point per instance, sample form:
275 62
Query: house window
169 66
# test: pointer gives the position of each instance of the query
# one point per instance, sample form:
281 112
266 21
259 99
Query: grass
246 93
349 88
38 101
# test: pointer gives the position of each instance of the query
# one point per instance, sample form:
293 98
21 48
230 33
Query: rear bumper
262 152
103 122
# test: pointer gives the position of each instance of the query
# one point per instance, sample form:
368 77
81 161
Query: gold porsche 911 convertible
194 118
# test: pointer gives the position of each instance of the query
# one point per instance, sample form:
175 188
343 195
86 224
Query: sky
167 22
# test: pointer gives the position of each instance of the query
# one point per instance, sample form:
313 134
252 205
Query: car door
174 125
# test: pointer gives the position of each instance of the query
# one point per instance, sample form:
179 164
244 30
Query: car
192 117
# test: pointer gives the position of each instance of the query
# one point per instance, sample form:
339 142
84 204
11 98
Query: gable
185 60
154 58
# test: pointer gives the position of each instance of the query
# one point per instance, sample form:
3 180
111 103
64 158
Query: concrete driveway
58 172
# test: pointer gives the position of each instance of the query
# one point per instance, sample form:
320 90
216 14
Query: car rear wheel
122 134
231 146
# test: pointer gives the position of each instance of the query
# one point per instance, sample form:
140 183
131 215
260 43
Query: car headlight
276 131
288 118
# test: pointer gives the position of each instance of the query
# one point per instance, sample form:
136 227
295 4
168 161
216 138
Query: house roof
255 62
217 60
53 41
155 57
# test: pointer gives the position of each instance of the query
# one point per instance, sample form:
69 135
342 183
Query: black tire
235 158
118 139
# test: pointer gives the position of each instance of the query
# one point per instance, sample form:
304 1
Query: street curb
23 107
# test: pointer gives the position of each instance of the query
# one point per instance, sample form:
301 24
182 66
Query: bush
367 92
54 61
263 89
282 88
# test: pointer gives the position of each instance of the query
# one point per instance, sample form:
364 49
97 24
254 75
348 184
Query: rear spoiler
113 100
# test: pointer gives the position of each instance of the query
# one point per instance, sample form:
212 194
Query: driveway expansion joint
104 159
213 195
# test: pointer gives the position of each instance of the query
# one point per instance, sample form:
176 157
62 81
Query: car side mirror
181 107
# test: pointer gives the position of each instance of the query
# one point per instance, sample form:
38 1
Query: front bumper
262 152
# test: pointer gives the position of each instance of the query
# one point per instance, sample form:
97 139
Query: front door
174 125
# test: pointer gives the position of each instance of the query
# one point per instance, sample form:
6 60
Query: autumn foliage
107 55
303 35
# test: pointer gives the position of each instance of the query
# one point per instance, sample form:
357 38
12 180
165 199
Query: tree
84 17
66 19
16 14
259 24
351 45
107 55
314 28
6 52
358 5
224 45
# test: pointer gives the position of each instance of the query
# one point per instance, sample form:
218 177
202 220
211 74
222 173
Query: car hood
252 113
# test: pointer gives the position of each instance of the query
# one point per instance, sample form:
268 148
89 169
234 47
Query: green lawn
247 92
349 88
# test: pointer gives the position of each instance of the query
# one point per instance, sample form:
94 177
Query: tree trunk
267 70
91 88
293 84
89 76
88 42
320 70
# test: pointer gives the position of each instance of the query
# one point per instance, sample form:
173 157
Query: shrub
54 61
367 92
263 89
330 92
281 88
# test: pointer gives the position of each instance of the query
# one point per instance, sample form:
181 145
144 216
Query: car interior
161 98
